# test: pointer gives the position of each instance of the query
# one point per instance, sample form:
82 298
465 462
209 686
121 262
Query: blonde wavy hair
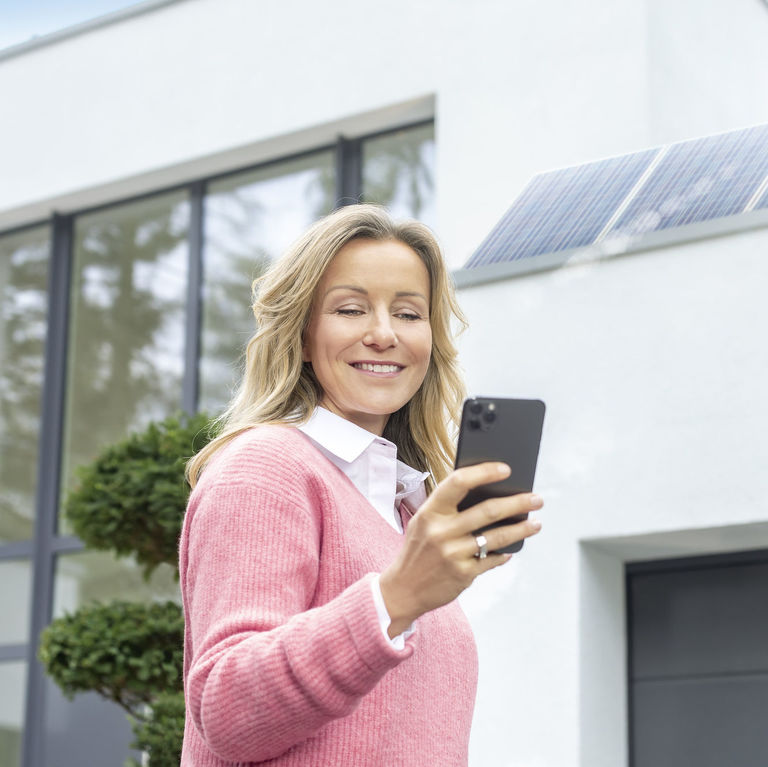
279 388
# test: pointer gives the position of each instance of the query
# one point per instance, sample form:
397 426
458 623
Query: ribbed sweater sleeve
265 669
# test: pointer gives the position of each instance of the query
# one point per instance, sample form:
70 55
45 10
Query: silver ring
482 546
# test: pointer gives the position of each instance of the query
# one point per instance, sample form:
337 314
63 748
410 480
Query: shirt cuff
384 620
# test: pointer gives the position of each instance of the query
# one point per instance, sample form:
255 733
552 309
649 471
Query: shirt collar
348 442
337 435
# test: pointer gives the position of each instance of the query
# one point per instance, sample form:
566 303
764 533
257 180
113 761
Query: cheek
424 347
315 340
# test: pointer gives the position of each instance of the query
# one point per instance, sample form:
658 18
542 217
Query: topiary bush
131 501
161 734
125 651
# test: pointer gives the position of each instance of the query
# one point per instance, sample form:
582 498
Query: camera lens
475 407
489 416
474 423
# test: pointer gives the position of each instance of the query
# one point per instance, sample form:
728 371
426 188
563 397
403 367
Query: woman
321 626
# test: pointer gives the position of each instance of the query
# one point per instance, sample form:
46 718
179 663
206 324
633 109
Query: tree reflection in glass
250 219
398 172
23 322
126 335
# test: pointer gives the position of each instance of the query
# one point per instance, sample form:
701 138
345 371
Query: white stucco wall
706 66
654 372
201 86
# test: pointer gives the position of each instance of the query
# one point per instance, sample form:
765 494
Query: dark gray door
698 661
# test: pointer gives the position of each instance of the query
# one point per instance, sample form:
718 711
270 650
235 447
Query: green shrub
161 735
124 651
131 499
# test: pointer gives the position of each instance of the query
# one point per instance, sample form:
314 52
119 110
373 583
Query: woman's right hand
437 560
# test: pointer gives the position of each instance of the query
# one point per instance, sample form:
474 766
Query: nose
380 334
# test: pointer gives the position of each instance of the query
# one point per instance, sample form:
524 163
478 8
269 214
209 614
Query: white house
646 343
151 159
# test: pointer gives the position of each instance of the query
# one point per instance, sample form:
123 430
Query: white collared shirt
369 461
371 464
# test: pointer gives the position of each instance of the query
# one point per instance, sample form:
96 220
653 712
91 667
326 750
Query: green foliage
124 651
131 499
161 735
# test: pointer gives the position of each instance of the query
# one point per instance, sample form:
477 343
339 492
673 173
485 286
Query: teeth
377 368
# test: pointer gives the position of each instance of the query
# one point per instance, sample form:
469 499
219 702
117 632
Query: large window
23 311
127 322
24 260
114 317
398 171
250 219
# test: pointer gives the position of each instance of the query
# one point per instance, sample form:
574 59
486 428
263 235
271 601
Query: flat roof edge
612 247
86 26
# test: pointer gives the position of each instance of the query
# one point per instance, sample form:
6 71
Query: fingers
501 537
452 490
437 559
495 509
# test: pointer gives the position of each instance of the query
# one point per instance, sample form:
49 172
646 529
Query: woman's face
369 339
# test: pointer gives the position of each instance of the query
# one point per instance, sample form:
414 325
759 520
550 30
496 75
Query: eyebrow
363 291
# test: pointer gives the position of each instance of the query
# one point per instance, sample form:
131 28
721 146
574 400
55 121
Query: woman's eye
409 316
349 312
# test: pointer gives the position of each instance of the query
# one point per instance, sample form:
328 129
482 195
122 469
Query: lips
378 367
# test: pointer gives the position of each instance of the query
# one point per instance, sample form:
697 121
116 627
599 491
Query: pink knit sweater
284 658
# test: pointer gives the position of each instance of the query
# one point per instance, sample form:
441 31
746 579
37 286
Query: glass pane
97 576
16 580
13 683
23 315
127 326
399 172
249 220
87 731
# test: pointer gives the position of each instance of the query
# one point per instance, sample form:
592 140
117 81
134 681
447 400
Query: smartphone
501 429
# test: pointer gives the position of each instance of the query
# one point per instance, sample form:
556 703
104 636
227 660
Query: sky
21 20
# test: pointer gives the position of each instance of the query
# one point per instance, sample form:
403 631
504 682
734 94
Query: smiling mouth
376 368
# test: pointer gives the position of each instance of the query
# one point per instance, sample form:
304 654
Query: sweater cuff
397 642
373 648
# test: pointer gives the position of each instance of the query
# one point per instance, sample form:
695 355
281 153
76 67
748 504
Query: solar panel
661 188
700 180
562 209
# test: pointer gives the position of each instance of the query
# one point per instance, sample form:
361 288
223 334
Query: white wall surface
654 372
708 68
201 86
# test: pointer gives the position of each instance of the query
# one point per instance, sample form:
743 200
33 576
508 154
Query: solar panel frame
762 202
